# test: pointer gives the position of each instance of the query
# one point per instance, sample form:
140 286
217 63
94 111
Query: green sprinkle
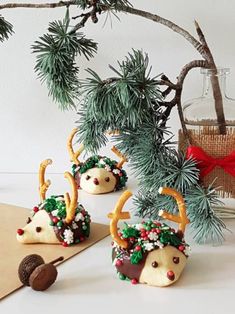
121 276
59 224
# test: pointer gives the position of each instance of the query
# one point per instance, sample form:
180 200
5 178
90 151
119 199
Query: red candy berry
65 244
118 263
181 248
134 281
20 231
55 220
35 209
138 248
158 231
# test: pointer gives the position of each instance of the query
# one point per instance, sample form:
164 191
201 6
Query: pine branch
121 102
55 62
207 226
6 29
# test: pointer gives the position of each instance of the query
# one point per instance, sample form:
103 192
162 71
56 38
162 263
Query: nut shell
43 277
27 266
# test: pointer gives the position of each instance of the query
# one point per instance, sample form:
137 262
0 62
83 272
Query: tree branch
189 66
37 5
201 46
174 27
214 81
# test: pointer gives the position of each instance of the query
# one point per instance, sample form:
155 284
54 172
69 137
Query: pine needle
6 29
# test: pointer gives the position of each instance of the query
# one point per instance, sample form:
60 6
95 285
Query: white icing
139 226
74 225
68 236
148 246
153 236
79 217
116 171
187 250
107 167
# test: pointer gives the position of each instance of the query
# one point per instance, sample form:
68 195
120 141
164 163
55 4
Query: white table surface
87 283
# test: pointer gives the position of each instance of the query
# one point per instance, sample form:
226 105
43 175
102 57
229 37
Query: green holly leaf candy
168 238
136 257
130 232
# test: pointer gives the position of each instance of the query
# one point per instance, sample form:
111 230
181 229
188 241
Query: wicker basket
217 146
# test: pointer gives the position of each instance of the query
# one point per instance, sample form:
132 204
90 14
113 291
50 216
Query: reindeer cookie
57 219
98 174
150 252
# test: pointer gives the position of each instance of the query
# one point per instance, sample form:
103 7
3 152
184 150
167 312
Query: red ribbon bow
207 163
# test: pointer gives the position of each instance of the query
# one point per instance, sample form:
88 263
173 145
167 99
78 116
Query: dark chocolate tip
176 260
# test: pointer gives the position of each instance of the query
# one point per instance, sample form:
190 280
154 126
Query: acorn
34 272
27 266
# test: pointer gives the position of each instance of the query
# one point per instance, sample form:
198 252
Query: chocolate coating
78 233
130 270
43 277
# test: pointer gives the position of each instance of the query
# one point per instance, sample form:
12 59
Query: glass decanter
202 125
201 111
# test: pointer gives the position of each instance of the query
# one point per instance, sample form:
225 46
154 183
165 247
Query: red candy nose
170 275
96 181
20 231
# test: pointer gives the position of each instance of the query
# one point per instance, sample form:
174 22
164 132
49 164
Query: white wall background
31 126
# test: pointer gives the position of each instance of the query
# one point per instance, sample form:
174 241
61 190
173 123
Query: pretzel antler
122 157
116 215
71 203
182 218
74 155
43 185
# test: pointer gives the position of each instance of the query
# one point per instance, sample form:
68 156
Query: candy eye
107 179
154 264
38 229
88 177
176 260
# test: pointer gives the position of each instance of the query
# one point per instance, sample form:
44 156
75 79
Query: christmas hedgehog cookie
150 252
97 175
57 219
